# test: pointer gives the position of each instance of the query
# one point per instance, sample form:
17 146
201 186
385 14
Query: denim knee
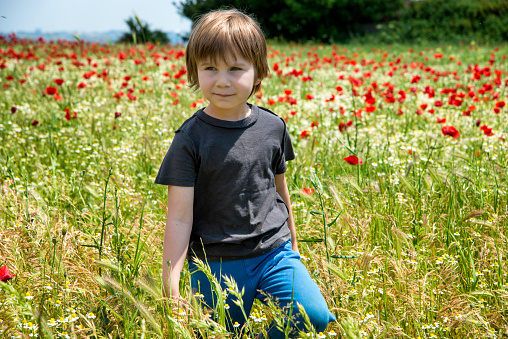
318 313
319 318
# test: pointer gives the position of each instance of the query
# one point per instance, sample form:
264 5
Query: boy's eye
236 69
210 68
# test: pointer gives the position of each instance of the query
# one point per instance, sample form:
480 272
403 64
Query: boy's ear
257 82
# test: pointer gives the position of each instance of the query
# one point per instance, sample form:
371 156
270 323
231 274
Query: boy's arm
282 189
176 237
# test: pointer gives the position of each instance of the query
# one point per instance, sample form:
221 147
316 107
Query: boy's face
226 85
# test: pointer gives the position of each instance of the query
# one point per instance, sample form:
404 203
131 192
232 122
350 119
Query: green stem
104 218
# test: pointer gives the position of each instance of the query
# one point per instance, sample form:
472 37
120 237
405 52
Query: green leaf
336 256
334 220
311 240
408 186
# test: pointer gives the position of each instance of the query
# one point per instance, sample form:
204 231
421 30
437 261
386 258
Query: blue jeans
279 274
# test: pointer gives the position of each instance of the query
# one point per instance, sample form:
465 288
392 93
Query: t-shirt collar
252 118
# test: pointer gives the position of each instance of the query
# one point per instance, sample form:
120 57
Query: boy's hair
224 33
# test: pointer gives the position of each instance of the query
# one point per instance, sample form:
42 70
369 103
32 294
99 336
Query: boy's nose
223 80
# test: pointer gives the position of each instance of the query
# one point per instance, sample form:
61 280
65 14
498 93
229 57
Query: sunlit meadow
399 188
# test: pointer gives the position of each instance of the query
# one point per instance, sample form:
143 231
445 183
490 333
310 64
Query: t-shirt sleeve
287 152
179 167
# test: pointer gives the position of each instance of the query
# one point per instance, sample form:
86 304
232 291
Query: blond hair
224 33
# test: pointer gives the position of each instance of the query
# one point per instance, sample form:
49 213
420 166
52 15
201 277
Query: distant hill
102 37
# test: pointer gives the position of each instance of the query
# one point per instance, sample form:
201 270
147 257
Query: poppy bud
5 273
13 109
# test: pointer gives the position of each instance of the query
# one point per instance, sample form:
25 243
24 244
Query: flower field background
399 187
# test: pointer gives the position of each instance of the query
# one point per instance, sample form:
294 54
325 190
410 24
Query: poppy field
399 188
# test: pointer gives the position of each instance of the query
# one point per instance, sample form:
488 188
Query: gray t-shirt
231 165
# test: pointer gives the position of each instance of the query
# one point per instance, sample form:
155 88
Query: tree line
343 20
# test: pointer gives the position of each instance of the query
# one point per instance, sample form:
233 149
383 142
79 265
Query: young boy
228 202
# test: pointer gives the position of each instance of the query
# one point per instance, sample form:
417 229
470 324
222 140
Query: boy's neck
229 115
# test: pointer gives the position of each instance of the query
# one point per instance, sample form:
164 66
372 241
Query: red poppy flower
304 134
487 130
441 120
179 74
415 79
118 114
369 99
309 97
402 96
307 191
451 131
455 102
370 109
342 126
330 98
67 114
5 273
35 122
50 90
353 160
82 85
14 109
89 75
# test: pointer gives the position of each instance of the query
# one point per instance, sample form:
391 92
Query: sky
88 15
